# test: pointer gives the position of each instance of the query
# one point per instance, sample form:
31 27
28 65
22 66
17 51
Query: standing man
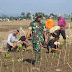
61 21
38 29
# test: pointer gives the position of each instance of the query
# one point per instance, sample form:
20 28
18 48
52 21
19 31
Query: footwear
9 50
47 52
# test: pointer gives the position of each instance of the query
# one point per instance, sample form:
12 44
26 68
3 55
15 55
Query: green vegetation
6 56
28 16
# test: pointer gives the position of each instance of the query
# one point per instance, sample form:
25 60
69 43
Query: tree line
24 15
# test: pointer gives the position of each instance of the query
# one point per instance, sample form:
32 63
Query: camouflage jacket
38 29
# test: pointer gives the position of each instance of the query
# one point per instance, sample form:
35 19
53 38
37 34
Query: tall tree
28 15
23 14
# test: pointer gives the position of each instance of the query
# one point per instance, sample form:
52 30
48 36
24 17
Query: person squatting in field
13 43
23 42
51 44
53 31
11 39
38 29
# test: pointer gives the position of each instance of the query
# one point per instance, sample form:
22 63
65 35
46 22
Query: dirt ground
48 62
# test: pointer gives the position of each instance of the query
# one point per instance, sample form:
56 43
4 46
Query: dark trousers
9 47
62 32
48 48
53 35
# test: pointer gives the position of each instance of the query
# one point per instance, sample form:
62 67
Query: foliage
6 56
54 55
20 48
20 60
61 44
23 14
0 60
28 15
14 61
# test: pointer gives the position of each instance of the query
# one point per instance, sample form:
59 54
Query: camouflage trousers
37 50
37 47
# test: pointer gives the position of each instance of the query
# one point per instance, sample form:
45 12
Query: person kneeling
12 38
23 42
53 46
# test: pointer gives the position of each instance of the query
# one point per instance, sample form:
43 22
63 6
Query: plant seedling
20 48
20 60
14 62
6 56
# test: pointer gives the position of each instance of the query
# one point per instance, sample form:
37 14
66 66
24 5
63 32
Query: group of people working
41 34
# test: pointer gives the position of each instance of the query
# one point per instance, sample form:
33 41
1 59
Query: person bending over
52 45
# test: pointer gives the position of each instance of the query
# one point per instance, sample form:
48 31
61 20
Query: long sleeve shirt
11 39
62 22
53 29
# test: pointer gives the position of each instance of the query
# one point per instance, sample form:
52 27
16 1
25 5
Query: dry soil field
48 63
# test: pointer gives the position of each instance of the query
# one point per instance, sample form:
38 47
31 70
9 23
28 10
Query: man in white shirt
11 39
53 30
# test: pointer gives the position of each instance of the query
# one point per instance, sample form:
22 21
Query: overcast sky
15 7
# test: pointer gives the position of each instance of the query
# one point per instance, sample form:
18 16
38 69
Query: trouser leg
9 47
58 33
63 34
53 35
48 47
37 60
37 49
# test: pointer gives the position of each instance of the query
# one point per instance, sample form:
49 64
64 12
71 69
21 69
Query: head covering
38 16
59 15
51 14
17 30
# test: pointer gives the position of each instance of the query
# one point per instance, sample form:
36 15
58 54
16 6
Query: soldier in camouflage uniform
38 29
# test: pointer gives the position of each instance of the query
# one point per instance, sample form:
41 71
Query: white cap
57 43
59 15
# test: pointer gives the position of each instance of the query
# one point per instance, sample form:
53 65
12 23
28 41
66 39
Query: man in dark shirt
23 42
52 45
